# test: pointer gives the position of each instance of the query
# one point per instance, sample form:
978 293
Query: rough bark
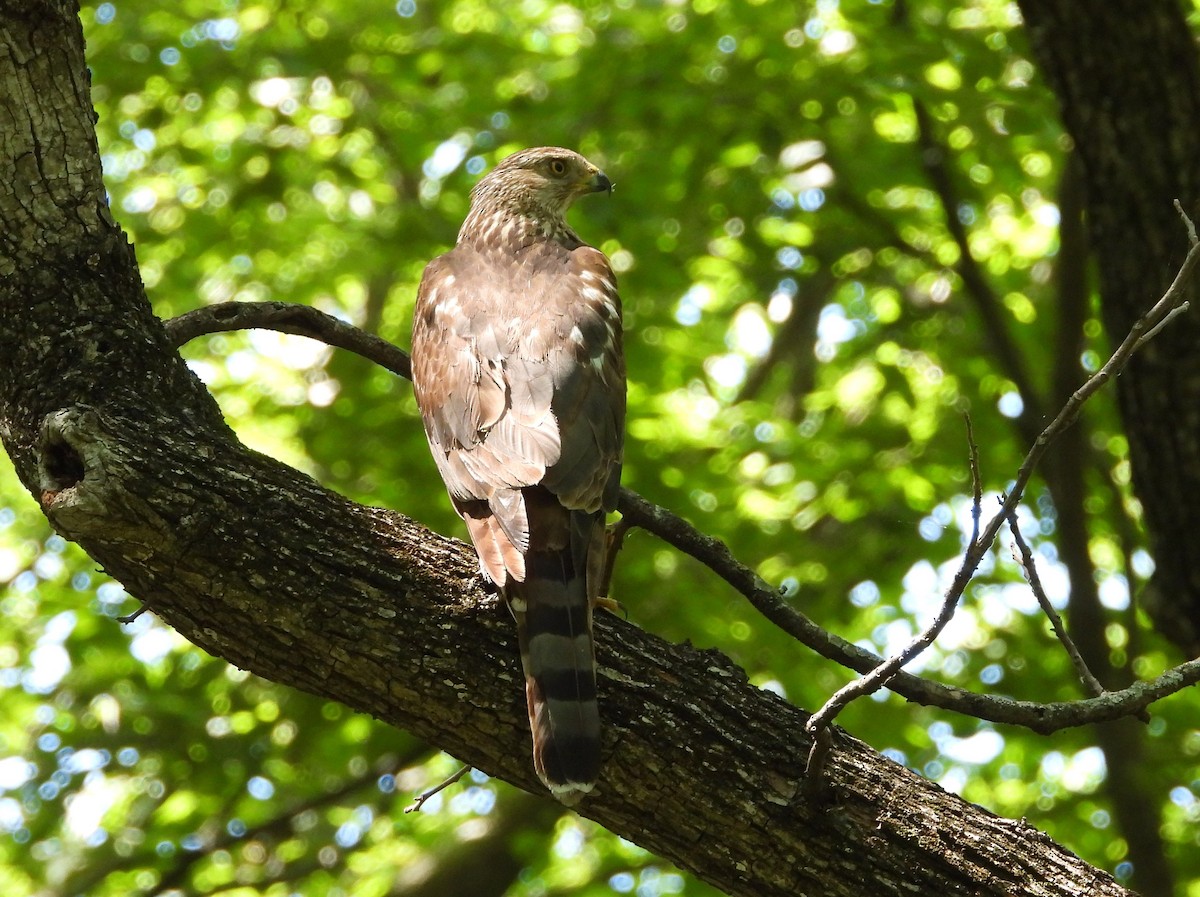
1127 76
127 454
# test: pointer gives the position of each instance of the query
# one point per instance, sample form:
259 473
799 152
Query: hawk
520 378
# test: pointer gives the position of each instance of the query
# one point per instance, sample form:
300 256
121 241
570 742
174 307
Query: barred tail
554 629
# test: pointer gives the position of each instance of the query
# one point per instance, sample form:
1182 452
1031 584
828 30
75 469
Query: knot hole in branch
62 467
61 462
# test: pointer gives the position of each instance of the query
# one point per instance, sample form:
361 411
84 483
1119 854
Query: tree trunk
127 454
1127 75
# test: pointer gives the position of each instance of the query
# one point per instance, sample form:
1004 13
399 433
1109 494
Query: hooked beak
599 183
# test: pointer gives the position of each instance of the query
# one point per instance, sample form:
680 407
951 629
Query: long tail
554 629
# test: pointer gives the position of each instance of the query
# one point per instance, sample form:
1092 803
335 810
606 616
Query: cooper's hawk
520 379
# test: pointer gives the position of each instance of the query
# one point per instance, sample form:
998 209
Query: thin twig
1167 318
1024 557
1042 718
430 792
879 676
820 721
1187 223
287 317
129 618
976 480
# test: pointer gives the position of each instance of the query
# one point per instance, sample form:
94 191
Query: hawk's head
536 184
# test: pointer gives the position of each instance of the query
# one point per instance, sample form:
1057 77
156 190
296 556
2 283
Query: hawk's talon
612 605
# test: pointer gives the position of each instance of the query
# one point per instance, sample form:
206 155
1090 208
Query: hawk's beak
599 183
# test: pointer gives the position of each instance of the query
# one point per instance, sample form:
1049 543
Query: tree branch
288 317
1024 558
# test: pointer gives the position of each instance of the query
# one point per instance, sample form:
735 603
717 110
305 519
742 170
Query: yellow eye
558 166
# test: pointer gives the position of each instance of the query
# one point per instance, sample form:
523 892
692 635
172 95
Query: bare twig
818 724
879 676
287 317
430 792
129 618
1136 337
1038 717
1187 223
976 480
1167 318
1024 557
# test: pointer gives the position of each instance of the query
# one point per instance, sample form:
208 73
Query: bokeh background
802 192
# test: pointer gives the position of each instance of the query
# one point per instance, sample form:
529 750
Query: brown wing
520 380
589 391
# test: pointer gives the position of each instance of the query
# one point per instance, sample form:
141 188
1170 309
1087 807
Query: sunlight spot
1142 563
260 788
569 843
140 200
692 304
726 370
779 308
833 326
153 645
15 772
955 780
1114 592
775 687
447 157
835 43
1085 771
86 808
1046 214
1010 404
864 594
296 352
750 332
322 393
48 664
85 760
274 91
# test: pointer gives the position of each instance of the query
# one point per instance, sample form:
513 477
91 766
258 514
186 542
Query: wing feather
512 400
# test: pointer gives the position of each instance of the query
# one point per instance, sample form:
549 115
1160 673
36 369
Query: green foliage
769 168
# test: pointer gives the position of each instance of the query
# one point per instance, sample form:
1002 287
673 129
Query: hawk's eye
558 166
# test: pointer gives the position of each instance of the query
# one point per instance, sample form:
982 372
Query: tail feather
554 628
